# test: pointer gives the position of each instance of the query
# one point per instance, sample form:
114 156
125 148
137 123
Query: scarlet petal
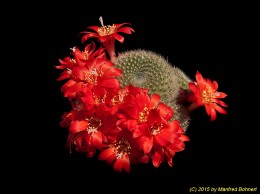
215 85
77 126
106 154
88 36
67 85
157 158
70 92
126 164
222 95
208 109
118 26
148 144
119 38
133 112
126 30
110 83
184 138
199 77
193 88
112 72
213 114
154 100
80 72
97 140
131 125
111 159
118 165
219 109
170 162
142 100
165 111
64 75
95 28
145 159
106 65
163 138
91 152
137 133
221 103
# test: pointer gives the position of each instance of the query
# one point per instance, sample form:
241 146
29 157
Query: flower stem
110 48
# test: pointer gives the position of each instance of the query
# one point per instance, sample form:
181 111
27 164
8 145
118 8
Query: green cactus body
150 70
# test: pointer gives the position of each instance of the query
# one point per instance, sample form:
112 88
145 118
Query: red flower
136 108
205 93
162 137
107 35
158 131
80 58
92 132
123 151
101 73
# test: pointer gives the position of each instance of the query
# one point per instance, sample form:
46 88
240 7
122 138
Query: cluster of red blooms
124 125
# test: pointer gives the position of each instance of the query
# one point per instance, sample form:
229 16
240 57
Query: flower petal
95 28
110 83
213 114
157 158
126 164
154 100
118 37
126 30
148 145
97 140
106 154
78 126
118 165
165 111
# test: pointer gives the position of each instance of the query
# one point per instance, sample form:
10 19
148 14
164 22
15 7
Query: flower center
117 99
156 128
143 115
93 125
106 30
122 148
98 99
208 96
92 76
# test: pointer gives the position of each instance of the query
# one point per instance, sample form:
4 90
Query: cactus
150 70
123 124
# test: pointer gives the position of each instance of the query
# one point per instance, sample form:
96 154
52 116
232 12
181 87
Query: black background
207 38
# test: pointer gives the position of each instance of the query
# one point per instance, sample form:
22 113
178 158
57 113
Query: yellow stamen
105 30
92 76
208 96
143 115
93 125
156 128
99 100
117 99
122 147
